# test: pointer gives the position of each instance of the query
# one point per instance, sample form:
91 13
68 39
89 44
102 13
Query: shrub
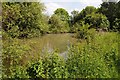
90 62
51 66
82 32
12 53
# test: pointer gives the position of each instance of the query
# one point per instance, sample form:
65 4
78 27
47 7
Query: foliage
57 25
111 10
59 21
23 19
89 63
97 21
74 13
89 16
96 58
116 25
83 31
88 10
93 60
83 13
0 32
64 16
51 66
12 59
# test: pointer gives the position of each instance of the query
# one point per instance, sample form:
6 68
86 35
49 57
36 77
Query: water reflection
61 42
51 42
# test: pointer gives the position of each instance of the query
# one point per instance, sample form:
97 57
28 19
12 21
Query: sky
69 5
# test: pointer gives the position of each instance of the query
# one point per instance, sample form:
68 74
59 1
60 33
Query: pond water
61 42
50 42
57 41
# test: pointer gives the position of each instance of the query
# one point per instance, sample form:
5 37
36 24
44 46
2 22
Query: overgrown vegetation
94 59
96 54
23 19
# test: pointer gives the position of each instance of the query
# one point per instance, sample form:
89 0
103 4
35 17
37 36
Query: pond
50 42
57 41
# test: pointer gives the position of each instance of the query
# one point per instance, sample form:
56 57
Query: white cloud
76 9
51 7
95 3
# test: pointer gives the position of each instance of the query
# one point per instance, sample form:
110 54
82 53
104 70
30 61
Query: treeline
24 19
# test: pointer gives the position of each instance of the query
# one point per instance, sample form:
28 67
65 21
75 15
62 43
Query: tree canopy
23 19
62 13
111 10
84 12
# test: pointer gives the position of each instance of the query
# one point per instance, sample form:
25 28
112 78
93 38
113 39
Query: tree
116 25
23 19
110 10
118 11
97 21
88 10
57 25
74 13
64 16
59 21
84 12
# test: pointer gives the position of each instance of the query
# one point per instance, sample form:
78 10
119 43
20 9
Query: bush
82 31
92 61
12 53
51 66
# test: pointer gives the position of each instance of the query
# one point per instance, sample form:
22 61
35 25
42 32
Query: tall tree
118 10
84 12
59 21
110 10
62 13
74 13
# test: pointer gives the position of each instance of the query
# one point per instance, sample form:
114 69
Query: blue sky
69 5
